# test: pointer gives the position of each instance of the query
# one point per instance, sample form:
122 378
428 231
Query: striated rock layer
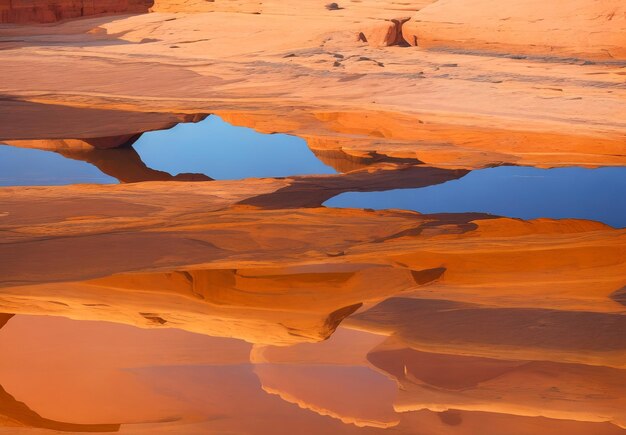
49 11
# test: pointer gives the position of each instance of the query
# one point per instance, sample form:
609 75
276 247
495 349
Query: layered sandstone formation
50 11
65 128
456 106
192 255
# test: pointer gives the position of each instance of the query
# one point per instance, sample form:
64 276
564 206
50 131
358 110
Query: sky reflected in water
31 167
521 192
225 152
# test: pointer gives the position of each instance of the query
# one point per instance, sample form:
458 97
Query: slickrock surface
50 11
352 320
452 106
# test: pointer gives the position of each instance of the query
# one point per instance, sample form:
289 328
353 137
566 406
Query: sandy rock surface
448 105
453 322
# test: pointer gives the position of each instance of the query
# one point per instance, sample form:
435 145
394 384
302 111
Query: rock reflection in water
167 381
339 321
245 306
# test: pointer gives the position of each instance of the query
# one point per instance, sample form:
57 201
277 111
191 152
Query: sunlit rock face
162 305
106 255
440 383
578 29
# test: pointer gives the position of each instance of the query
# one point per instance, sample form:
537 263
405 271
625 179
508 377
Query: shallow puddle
225 152
525 193
209 149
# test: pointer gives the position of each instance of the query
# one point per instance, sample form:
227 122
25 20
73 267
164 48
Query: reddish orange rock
50 11
560 28
384 33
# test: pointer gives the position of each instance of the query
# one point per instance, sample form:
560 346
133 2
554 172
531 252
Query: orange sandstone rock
50 11
561 28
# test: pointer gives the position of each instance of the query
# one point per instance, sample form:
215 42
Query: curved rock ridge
313 191
562 28
422 138
462 392
353 395
346 140
50 11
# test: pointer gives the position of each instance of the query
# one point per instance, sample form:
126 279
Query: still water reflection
32 167
526 193
245 307
104 377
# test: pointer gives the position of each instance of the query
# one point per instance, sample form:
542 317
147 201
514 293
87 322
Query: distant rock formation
49 11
